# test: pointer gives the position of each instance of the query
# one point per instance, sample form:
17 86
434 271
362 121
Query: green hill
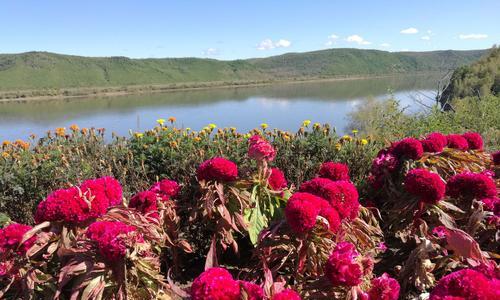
42 70
479 78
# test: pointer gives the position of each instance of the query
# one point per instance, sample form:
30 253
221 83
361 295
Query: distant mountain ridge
44 70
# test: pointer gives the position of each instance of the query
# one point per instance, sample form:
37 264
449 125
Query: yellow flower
160 121
364 142
6 143
5 155
338 146
233 129
347 138
74 127
197 139
173 144
316 125
139 135
306 123
263 125
172 120
60 131
212 126
206 128
354 131
247 136
286 137
188 129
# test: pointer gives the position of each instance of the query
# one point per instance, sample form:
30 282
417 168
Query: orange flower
74 127
6 143
172 120
22 144
60 131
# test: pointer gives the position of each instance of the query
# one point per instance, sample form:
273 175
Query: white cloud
385 45
357 39
332 38
410 30
473 36
211 52
283 44
268 44
425 38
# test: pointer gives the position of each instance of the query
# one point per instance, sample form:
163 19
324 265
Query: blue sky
234 29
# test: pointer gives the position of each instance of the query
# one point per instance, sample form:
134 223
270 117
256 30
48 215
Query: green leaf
4 219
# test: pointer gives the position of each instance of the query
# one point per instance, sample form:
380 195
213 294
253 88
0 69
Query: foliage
387 120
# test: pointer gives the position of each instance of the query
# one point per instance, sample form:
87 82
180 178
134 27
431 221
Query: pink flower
431 145
218 169
342 195
287 294
471 185
467 284
111 238
11 237
456 141
474 140
253 291
408 148
145 202
260 149
427 186
334 171
439 138
277 180
342 267
166 189
301 212
384 288
215 284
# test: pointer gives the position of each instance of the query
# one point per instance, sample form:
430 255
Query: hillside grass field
35 74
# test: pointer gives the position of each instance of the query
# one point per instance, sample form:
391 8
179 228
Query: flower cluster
301 212
474 140
112 238
427 186
147 201
342 268
341 195
334 171
409 148
384 288
277 180
466 284
11 237
456 141
79 204
260 149
219 284
471 186
218 169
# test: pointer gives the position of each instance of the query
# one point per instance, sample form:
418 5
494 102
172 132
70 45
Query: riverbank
95 92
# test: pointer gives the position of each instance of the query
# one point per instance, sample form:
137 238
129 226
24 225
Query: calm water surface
284 106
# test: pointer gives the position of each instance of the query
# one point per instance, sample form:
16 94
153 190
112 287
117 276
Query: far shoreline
105 92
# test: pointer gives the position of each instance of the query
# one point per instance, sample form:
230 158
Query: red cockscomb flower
466 284
409 148
334 171
218 169
471 185
342 267
495 156
427 186
107 188
253 291
111 238
456 141
333 218
145 202
260 149
11 237
439 138
215 284
166 189
474 140
63 205
384 288
301 212
277 180
431 145
287 294
492 204
342 195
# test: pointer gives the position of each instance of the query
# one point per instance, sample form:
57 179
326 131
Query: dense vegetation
478 79
52 72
